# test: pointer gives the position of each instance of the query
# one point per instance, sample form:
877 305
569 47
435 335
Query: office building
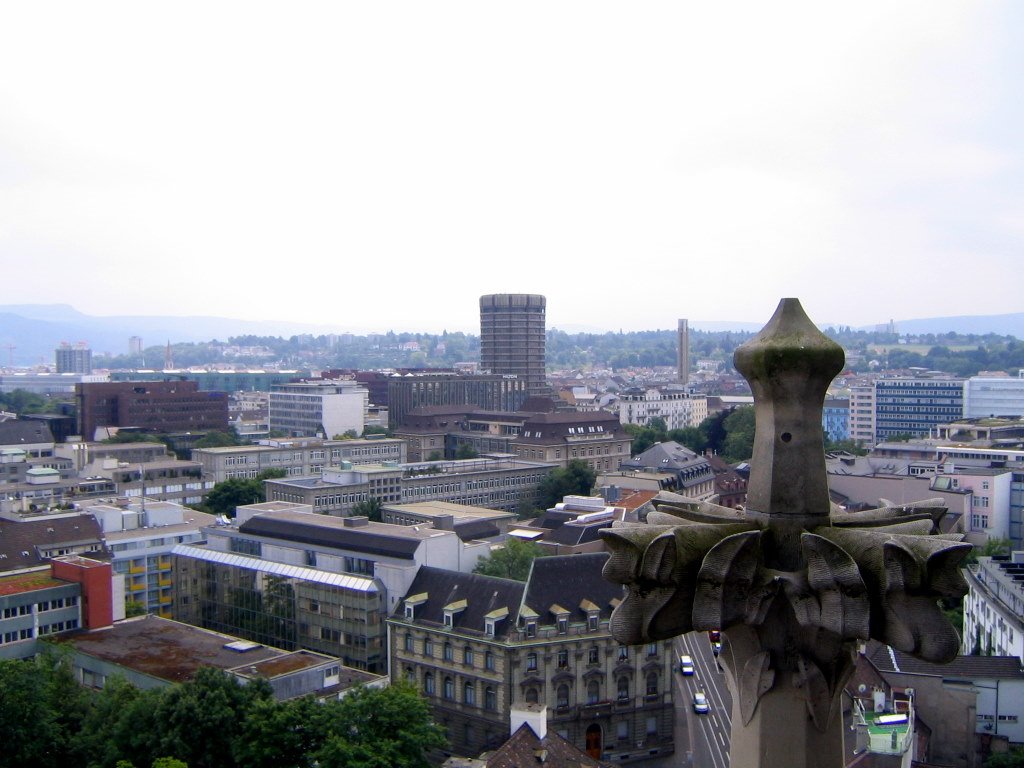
989 396
488 392
156 406
513 337
67 593
296 456
325 409
913 407
503 483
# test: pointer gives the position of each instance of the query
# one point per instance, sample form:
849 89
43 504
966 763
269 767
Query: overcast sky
380 165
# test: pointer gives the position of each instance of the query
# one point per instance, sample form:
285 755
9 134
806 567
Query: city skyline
356 166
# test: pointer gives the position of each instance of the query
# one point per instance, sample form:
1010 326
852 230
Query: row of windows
623 691
448 652
43 605
469 698
45 629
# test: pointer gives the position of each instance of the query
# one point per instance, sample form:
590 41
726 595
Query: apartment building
677 406
140 536
862 414
478 646
994 606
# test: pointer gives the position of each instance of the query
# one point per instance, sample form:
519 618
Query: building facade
914 407
478 646
513 337
994 607
678 408
986 396
73 358
158 406
496 483
296 457
319 409
490 392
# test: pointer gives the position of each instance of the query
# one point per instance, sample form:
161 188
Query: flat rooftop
28 582
439 508
167 650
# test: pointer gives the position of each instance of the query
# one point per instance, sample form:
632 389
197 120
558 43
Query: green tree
691 437
512 561
235 492
575 479
200 720
466 451
1012 759
435 456
216 438
739 435
371 508
283 734
29 729
381 728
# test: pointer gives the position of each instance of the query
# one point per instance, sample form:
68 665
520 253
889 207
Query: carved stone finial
791 583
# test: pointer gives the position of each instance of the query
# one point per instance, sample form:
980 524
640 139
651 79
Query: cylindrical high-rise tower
683 352
512 337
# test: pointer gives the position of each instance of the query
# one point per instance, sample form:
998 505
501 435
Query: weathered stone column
792 583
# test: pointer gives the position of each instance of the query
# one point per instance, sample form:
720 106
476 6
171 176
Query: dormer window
453 609
491 620
412 602
531 628
563 625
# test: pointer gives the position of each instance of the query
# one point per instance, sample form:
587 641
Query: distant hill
35 330
1004 325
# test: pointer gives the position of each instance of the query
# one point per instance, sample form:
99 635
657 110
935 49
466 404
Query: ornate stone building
478 645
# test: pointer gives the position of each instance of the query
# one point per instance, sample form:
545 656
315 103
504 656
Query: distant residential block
158 406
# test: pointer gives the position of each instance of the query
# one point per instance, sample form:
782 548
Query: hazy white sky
381 165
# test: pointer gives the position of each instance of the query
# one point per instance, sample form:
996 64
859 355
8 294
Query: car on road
686 665
700 703
714 635
716 647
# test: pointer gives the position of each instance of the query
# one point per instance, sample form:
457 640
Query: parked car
686 665
700 703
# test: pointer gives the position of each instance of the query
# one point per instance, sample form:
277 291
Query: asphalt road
701 741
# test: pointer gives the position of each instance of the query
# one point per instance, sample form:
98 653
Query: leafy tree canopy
511 561
575 479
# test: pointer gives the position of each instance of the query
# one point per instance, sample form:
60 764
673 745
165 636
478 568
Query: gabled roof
22 542
18 432
483 595
669 456
523 747
888 659
573 533
569 580
330 532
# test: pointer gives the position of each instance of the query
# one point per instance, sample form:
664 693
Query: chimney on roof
534 715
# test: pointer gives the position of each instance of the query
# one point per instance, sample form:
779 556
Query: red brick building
152 406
